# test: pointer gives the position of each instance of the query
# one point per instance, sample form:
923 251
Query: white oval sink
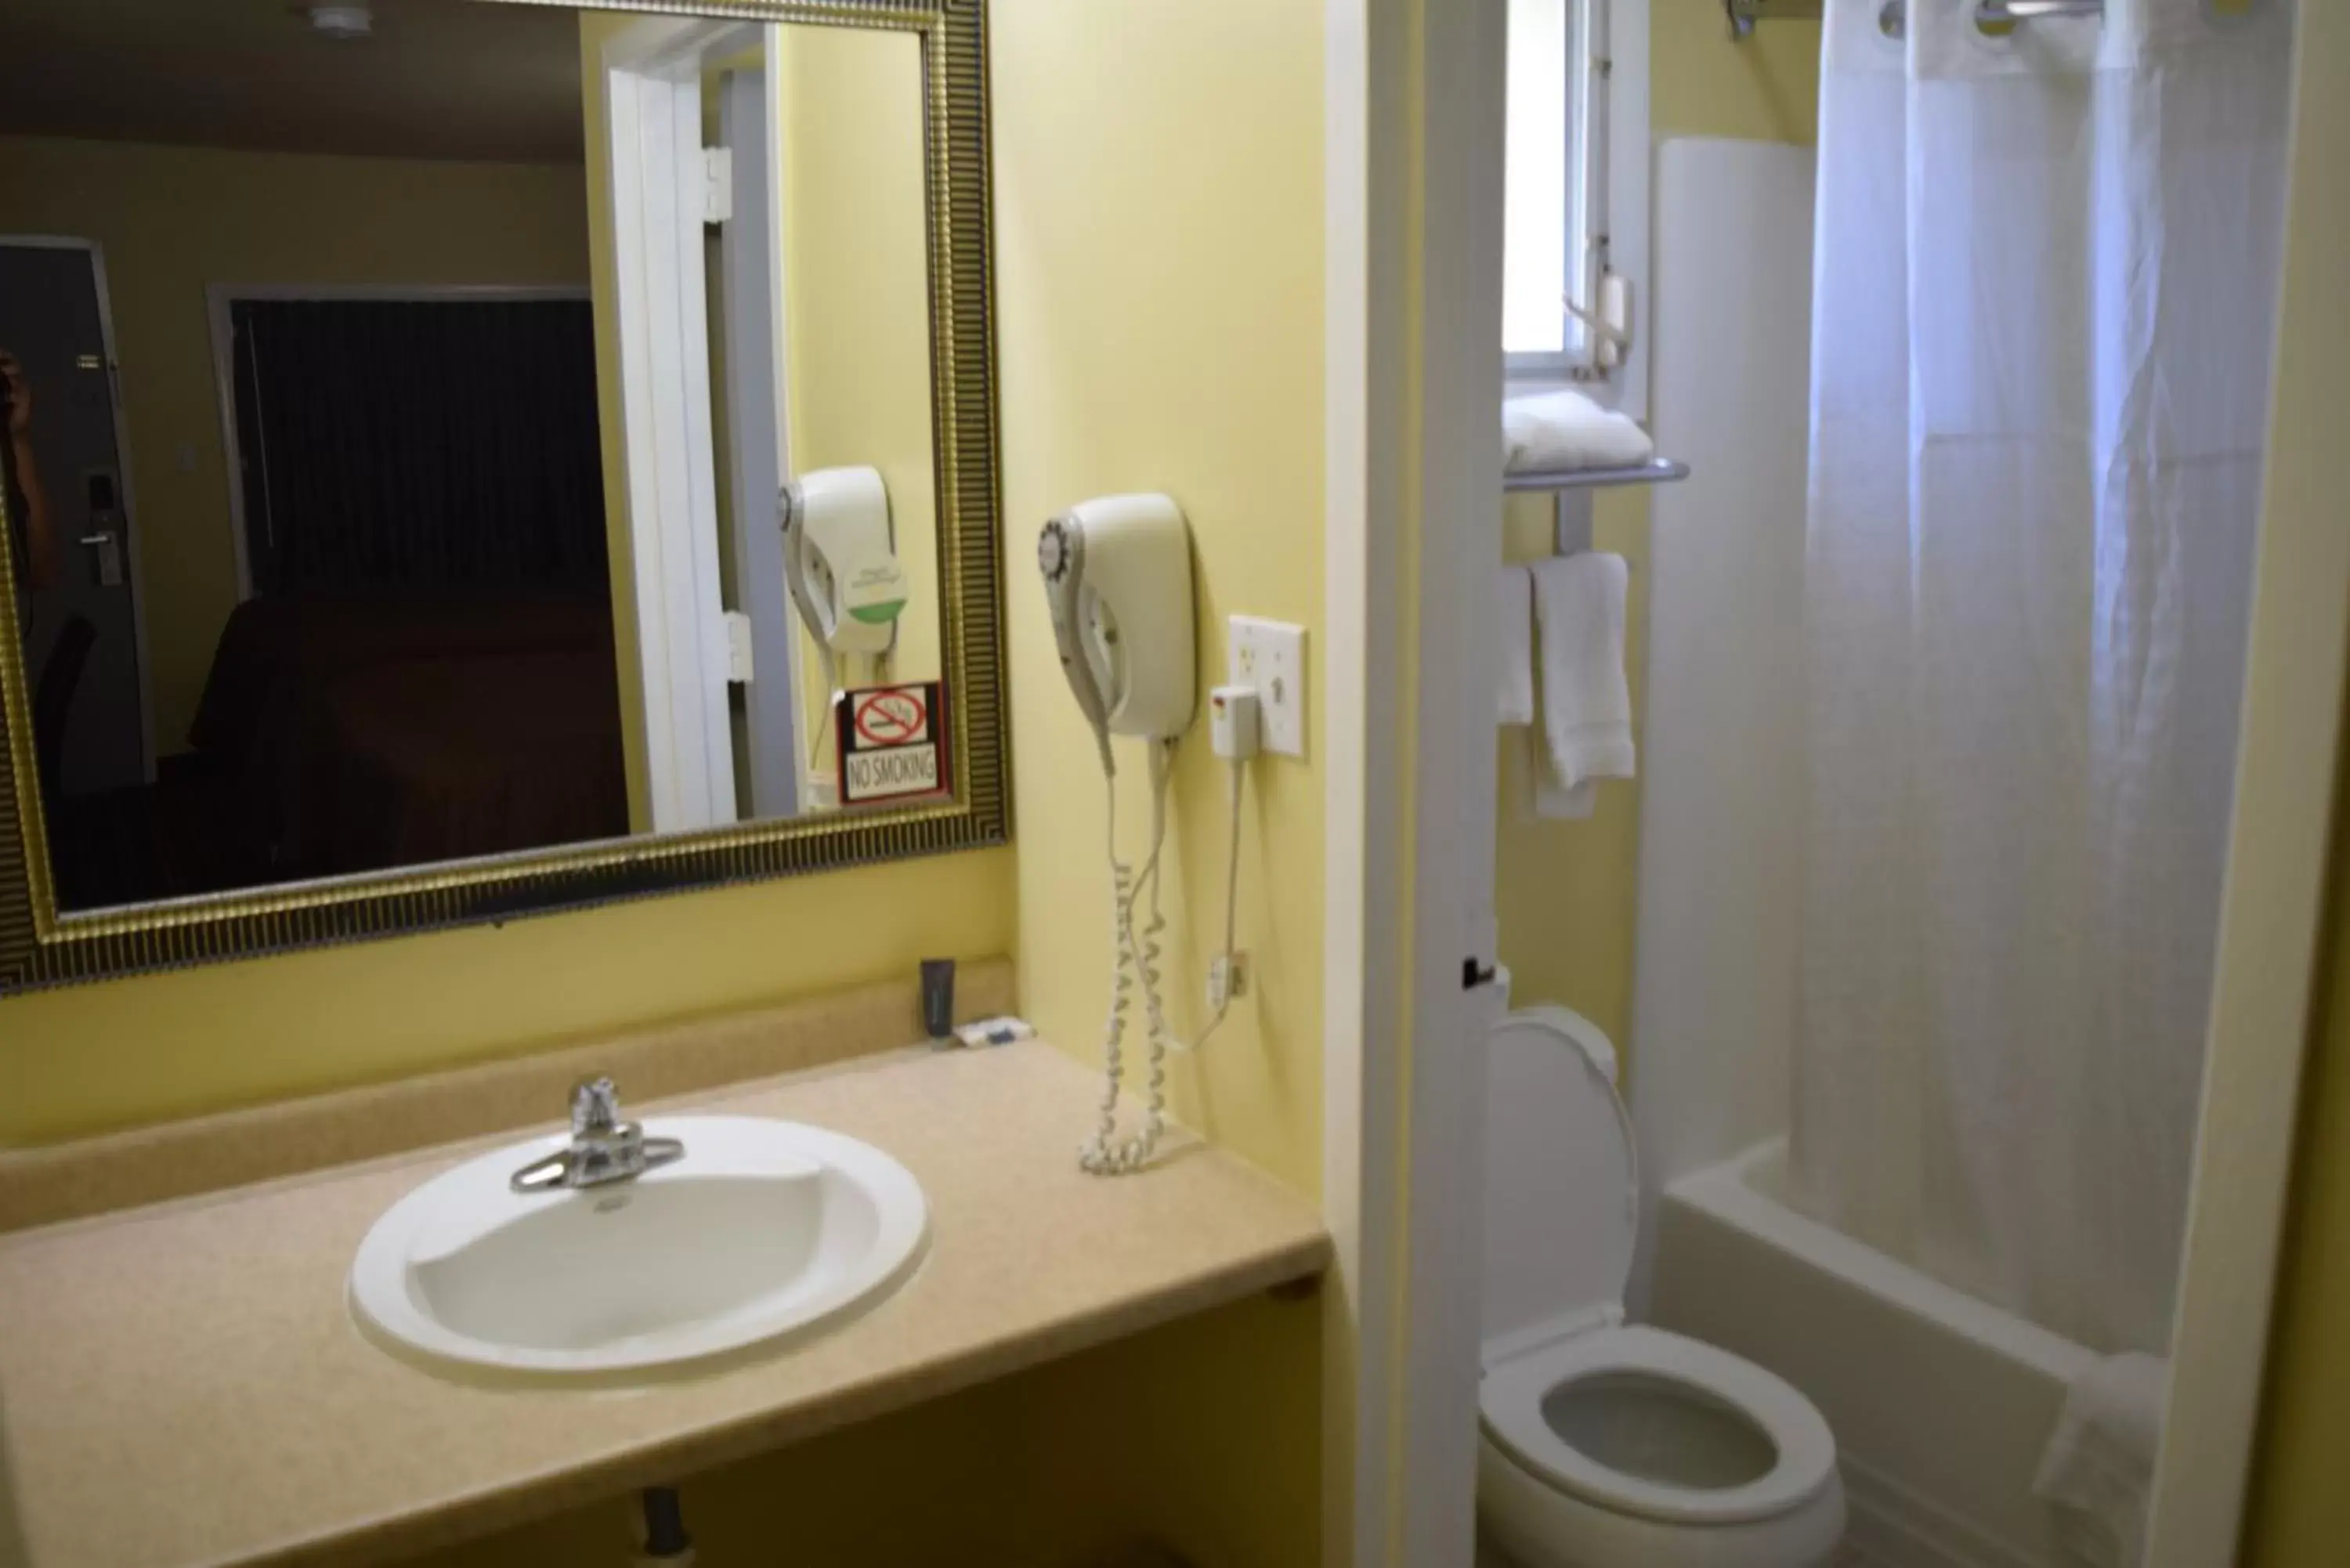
762 1228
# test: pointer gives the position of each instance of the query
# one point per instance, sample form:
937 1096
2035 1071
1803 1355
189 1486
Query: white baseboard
1892 1527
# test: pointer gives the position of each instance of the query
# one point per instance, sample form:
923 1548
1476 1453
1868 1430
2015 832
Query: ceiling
437 78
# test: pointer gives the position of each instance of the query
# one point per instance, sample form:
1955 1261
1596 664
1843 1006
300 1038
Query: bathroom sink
758 1230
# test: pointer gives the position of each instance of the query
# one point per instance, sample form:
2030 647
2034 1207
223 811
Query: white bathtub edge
1726 1192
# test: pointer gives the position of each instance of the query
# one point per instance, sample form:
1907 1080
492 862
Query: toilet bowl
1604 1444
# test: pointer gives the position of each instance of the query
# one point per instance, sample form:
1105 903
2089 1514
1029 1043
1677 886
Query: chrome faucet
603 1148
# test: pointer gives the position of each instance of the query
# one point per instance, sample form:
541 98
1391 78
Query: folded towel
1515 609
2098 1468
1566 430
1586 706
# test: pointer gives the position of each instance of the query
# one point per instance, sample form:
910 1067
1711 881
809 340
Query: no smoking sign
892 742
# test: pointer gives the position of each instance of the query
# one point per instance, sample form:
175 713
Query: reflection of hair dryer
1117 577
839 561
841 565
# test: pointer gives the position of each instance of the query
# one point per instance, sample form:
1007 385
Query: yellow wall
2300 1511
1566 892
128 1051
2299 1515
173 219
1158 233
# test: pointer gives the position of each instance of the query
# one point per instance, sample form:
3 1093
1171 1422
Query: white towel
1586 704
1553 801
1557 431
1515 608
2098 1468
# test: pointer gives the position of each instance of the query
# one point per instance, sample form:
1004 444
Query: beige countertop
183 1383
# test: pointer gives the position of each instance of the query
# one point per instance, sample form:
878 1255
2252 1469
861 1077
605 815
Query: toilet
1602 1444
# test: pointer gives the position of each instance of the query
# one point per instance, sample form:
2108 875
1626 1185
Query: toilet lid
1562 1186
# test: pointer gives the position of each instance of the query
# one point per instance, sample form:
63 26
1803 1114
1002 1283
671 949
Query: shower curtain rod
1744 14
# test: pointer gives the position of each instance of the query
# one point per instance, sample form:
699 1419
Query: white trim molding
1363 860
1413 384
2271 916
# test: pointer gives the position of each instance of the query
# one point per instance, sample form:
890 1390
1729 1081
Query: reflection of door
751 299
53 317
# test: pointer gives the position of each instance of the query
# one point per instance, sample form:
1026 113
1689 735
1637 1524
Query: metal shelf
1572 488
1656 470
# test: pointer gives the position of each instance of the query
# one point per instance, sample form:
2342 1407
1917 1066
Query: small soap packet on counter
1000 1031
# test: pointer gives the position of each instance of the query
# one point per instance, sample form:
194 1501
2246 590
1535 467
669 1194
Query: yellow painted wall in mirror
1159 234
852 208
857 299
174 219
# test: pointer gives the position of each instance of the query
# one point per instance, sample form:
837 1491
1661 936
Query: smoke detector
345 24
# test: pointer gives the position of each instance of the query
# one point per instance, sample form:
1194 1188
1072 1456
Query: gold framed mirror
549 459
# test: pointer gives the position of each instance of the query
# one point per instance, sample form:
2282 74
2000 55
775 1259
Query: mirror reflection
438 429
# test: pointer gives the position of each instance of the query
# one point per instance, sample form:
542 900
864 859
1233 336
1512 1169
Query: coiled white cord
1135 965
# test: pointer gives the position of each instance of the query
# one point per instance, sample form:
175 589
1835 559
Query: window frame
1607 230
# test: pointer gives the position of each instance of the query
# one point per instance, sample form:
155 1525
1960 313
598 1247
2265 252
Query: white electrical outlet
1270 655
1228 980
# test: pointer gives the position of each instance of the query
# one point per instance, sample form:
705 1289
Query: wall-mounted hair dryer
1117 577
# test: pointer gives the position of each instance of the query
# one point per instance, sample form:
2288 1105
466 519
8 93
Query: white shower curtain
2044 290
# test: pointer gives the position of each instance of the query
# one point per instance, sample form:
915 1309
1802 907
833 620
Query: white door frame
752 262
220 301
2272 913
133 529
652 74
1412 536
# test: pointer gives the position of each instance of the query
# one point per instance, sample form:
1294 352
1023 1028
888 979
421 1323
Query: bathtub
1940 1403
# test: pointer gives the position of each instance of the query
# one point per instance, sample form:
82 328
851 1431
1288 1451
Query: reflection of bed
355 733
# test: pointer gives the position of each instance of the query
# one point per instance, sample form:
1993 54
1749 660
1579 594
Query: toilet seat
1602 1445
1513 1394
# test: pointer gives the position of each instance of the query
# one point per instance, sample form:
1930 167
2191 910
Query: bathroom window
1575 194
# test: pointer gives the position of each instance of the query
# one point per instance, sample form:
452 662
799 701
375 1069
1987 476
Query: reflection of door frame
751 283
128 492
651 73
220 300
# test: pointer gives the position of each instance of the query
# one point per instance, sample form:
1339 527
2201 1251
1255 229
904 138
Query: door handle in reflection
106 562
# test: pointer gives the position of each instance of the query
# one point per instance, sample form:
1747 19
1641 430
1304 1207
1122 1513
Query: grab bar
1744 14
